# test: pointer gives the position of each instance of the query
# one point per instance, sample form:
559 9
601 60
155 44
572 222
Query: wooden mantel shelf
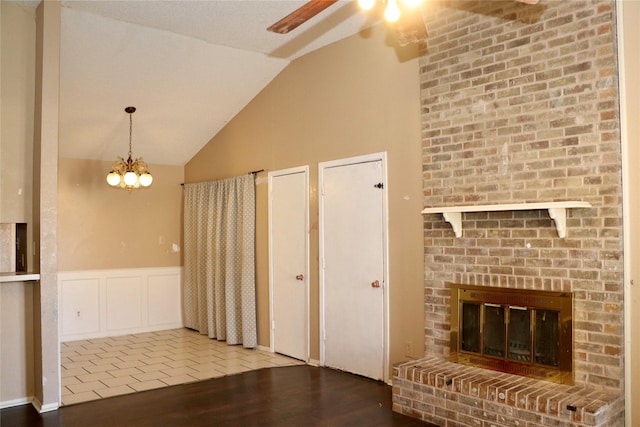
557 212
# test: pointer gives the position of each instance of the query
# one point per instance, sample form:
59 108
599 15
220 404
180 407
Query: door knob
375 284
300 277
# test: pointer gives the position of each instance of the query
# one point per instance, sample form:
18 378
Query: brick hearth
437 390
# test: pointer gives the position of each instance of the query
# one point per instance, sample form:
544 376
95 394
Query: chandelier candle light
129 174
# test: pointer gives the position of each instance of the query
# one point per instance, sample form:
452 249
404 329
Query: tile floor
104 367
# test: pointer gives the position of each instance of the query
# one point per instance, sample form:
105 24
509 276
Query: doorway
289 261
353 265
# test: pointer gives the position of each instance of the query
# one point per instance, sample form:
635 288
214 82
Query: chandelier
131 173
391 10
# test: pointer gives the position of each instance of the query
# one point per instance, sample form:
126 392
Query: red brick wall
520 104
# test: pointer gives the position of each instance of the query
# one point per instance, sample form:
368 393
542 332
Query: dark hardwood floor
287 396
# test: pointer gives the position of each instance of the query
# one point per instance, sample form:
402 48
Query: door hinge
379 185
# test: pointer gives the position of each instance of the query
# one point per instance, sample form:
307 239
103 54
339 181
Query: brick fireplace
520 105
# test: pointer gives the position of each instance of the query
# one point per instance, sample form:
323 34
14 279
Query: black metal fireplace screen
518 331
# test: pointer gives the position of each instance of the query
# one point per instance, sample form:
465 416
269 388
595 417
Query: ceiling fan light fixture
129 174
366 4
391 12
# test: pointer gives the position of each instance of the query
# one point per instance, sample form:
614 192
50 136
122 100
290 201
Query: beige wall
16 345
18 67
17 74
630 85
101 227
352 98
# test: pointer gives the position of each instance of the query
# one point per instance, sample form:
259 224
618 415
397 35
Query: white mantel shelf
557 212
18 277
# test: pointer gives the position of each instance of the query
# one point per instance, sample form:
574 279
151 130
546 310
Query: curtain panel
219 259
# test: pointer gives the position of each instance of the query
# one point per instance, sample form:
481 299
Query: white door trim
382 157
271 175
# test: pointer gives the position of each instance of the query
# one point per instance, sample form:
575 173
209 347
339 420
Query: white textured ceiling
187 66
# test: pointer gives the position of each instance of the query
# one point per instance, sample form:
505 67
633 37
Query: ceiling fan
409 26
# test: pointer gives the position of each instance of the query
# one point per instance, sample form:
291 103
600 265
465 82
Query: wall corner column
45 205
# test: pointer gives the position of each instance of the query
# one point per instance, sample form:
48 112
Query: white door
353 269
288 255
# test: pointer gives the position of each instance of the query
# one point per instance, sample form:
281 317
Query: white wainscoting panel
101 303
162 296
123 303
81 299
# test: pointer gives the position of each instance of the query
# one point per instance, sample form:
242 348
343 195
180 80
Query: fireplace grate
517 331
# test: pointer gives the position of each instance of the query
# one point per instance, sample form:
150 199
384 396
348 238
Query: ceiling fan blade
528 1
300 16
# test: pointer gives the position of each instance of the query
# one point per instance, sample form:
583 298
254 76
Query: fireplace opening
523 332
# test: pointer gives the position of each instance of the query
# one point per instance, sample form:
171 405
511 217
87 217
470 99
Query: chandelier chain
130 132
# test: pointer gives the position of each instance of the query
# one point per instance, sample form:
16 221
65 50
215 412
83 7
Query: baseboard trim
30 400
16 402
49 407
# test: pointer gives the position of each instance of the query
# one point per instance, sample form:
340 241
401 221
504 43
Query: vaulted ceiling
187 66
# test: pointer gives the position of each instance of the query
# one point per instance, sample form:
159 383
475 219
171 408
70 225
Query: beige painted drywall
101 227
16 140
17 76
18 68
631 100
16 357
352 98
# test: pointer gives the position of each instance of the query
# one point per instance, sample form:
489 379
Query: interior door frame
382 157
271 176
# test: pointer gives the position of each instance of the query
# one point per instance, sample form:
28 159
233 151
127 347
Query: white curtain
219 259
